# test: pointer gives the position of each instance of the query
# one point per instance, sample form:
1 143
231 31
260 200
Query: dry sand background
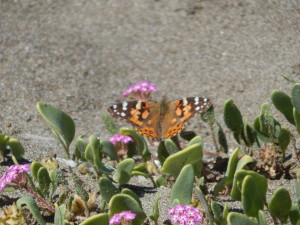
81 55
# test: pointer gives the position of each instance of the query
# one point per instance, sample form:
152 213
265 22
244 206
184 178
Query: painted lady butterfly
159 120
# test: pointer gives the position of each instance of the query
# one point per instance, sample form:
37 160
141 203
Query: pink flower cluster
140 87
185 215
120 138
12 174
119 217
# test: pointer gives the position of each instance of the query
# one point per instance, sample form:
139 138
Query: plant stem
41 200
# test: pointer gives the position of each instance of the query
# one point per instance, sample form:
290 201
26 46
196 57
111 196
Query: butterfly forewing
143 116
180 112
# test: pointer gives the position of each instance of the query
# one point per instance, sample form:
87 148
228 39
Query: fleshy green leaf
123 202
280 204
240 219
33 208
190 155
58 120
107 189
283 104
16 148
183 187
124 170
98 219
296 96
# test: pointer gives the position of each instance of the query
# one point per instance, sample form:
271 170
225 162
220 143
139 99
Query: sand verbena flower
185 215
14 177
140 91
123 218
120 141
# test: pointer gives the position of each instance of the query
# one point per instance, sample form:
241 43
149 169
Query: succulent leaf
33 208
238 219
16 148
183 187
123 202
296 96
283 104
101 218
190 155
294 214
280 204
124 170
171 146
107 189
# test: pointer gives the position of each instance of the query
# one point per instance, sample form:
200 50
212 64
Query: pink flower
140 91
185 215
14 176
120 138
122 217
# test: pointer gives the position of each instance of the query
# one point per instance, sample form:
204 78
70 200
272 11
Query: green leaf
107 189
132 194
183 187
284 139
296 96
280 204
248 134
225 214
155 210
239 176
297 119
34 167
33 208
162 152
79 188
16 148
240 219
60 211
294 214
216 209
109 123
221 137
138 141
246 159
297 183
231 168
261 218
252 199
204 203
195 140
190 155
80 147
58 120
283 104
123 202
208 116
161 181
171 146
233 118
44 180
98 219
123 172
109 149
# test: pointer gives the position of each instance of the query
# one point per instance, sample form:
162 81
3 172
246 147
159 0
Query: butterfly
159 120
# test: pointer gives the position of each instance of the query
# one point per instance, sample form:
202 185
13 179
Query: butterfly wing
143 116
180 111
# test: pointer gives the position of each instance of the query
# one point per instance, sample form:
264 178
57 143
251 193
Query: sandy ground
81 55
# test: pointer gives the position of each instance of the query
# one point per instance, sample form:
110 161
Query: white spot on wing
114 106
205 99
124 106
185 102
197 108
123 114
196 100
138 105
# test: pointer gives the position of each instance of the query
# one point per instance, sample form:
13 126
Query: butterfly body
159 120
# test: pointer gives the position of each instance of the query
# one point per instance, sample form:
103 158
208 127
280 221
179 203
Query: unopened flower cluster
185 215
11 174
142 87
120 138
122 216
